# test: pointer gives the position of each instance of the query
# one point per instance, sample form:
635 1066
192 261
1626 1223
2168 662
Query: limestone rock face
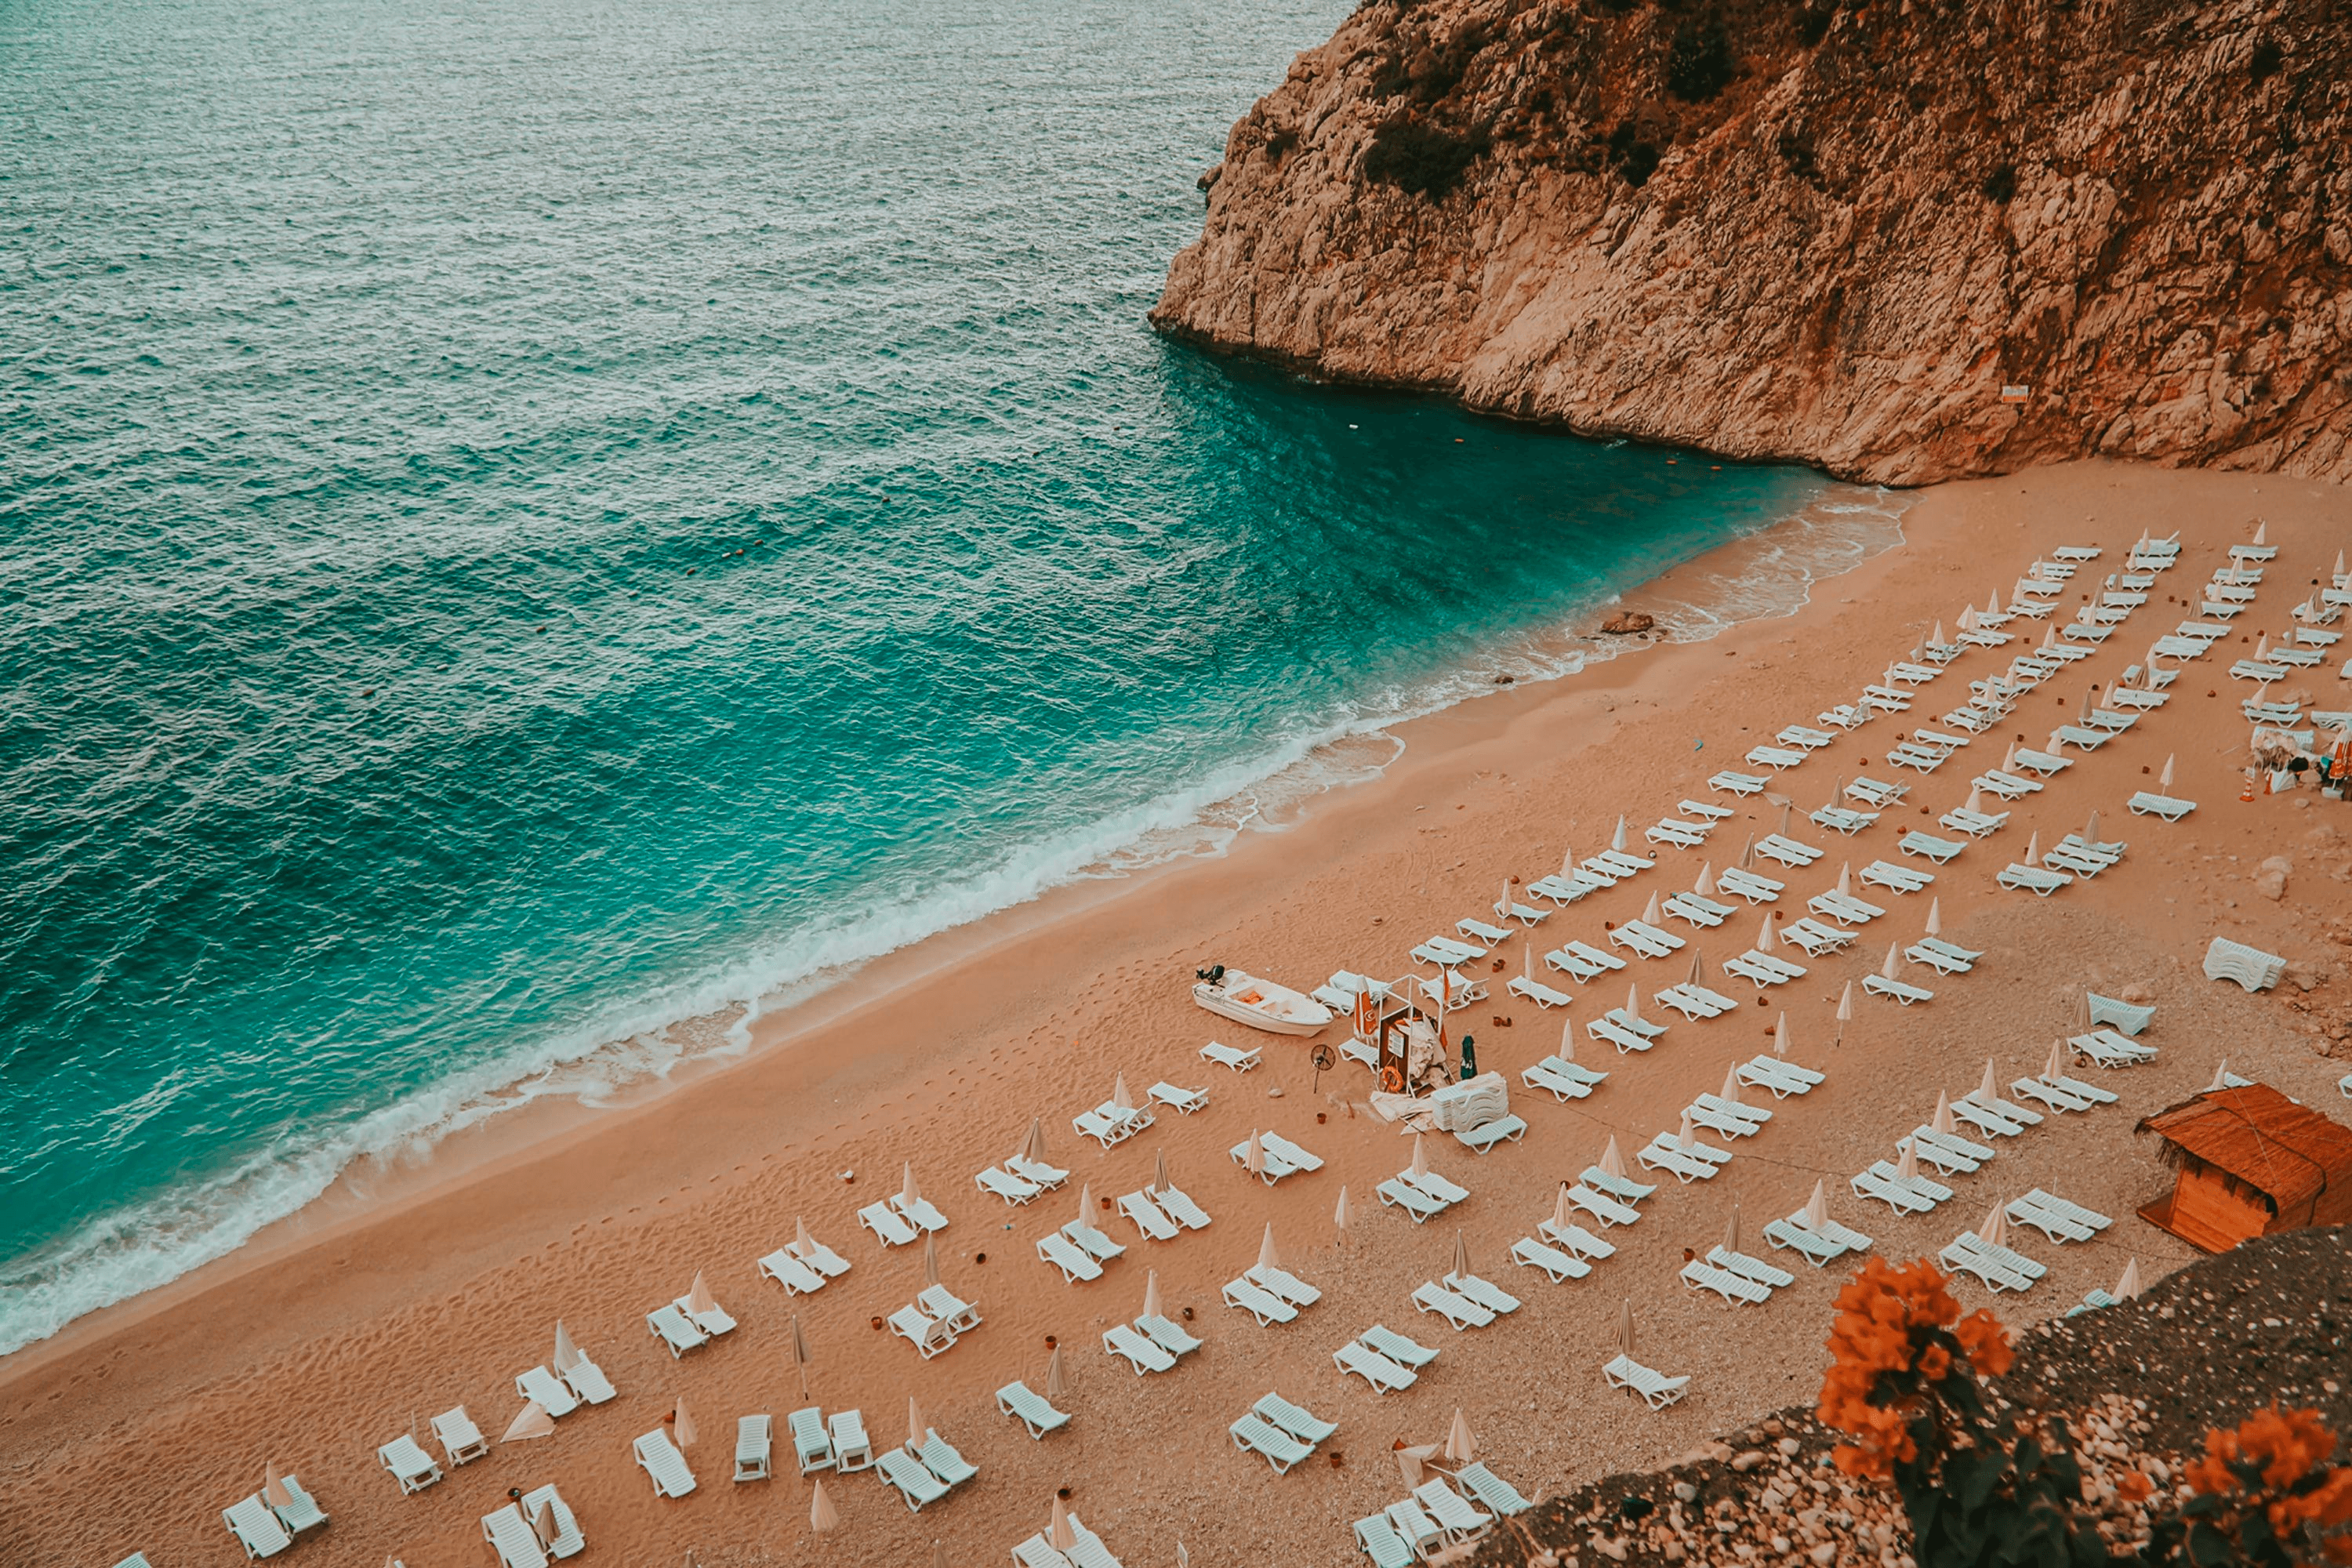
1845 233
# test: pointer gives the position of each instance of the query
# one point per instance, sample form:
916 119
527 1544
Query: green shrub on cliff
1424 159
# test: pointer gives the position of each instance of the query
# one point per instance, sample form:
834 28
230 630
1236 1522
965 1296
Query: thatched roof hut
2249 1161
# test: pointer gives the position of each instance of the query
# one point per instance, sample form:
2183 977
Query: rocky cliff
1841 232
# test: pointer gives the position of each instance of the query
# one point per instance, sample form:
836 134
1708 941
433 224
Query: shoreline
1694 595
317 1345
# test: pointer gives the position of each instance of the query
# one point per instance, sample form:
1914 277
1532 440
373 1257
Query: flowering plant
2263 1494
1903 1384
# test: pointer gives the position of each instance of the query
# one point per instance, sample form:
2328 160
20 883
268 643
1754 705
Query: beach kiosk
2249 1161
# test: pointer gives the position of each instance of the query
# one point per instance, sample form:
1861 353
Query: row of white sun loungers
510 1533
264 1530
1152 1343
1465 1300
1270 1295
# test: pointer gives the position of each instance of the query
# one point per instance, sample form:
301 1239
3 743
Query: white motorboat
1260 1004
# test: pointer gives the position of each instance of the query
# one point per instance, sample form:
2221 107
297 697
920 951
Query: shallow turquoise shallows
526 521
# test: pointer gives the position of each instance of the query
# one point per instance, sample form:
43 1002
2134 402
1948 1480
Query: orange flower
2136 1487
1934 1363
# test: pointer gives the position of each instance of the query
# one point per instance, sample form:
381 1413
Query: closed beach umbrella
2055 743
1975 802
699 1298
909 1195
273 1487
1992 603
2085 714
1059 1534
2221 1077
1617 840
800 1353
1936 638
1412 1462
1730 1084
1846 1011
1459 1449
1705 886
1613 1163
1567 1039
1845 880
803 1243
567 1354
2339 563
1461 1255
1893 967
1528 959
1340 1213
1817 1207
1768 937
1686 1137
531 1421
917 1429
1785 809
1058 1383
1633 1003
682 1428
1159 1173
1994 1230
542 1522
2261 532
1419 1166
1253 1156
930 1260
2128 1287
1625 1335
1268 1258
2009 758
1086 1203
1034 1150
1935 916
1989 1090
1562 1211
2091 829
1152 1294
939 1554
1906 1167
1731 1230
1698 976
1503 904
822 1520
2033 850
1650 910
1120 1096
1942 1120
1780 1037
1747 852
2055 1068
1567 863
2164 779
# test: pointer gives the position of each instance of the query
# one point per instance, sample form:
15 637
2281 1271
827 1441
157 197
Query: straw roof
2291 1152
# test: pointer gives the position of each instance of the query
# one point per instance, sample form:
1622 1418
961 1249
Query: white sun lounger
1258 1303
256 1528
853 1450
1938 850
1695 1001
1277 1165
1576 1241
1774 757
1845 716
1948 1153
2124 1015
410 1465
2170 807
540 1384
1734 783
660 1459
1486 1134
1815 938
1682 834
1490 1490
1895 878
1645 939
567 1541
914 1483
1716 1120
1655 1389
1147 1216
889 1227
1565 890
1764 968
1397 1347
1781 1077
1489 935
2067 858
1459 1518
671 1325
1064 1254
1398 1193
714 1322
2109 1049
1609 1030
1838 819
1226 1056
459 1438
1843 908
1120 1340
1168 1335
2052 1221
1975 824
1942 956
1384 1375
1457 1310
1378 1539
1012 1189
1884 700
1787 852
1700 1275
1896 1195
1608 1210
1698 911
754 1445
2007 785
2250 967
1091 1241
1871 792
930 1335
1530 1253
1487 1294
1685 1165
1536 991
1017 1400
1583 961
1748 885
811 1444
1254 1434
1969 1255
2021 878
2055 1096
511 1538
1563 1081
1179 1206
1985 1118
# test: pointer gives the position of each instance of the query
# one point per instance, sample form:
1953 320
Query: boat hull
1214 999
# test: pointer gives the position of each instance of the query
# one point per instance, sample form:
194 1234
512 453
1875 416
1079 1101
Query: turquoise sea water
525 521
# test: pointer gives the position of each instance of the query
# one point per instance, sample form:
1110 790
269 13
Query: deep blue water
528 520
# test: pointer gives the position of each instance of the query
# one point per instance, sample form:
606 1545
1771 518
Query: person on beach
1469 1057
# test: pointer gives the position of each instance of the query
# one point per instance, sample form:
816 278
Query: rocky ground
2136 1386
1902 241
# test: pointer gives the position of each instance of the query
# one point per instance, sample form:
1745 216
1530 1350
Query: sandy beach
337 1331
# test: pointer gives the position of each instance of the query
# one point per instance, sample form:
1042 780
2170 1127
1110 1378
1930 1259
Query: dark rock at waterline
1625 623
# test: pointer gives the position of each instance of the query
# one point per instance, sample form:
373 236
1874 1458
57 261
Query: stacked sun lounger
2251 967
1281 1432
